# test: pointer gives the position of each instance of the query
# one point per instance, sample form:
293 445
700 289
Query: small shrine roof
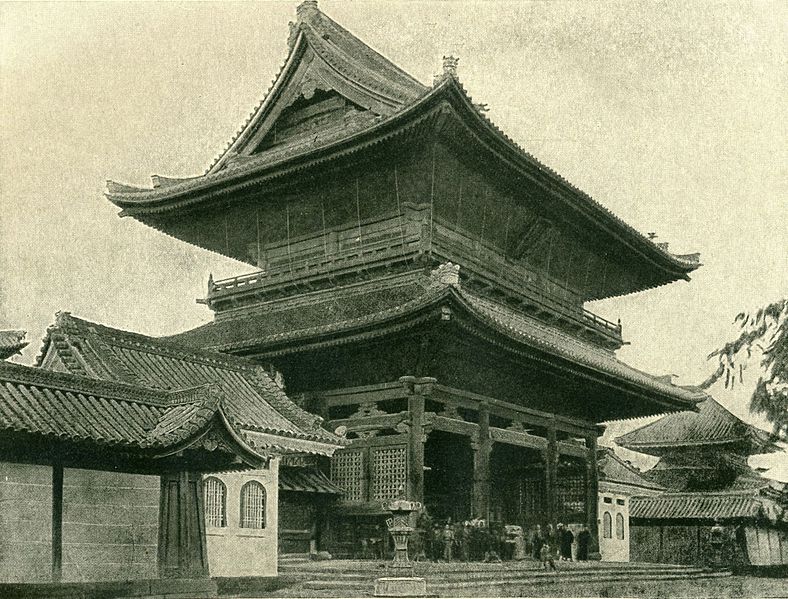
711 425
252 402
306 480
382 307
723 505
66 408
613 469
11 342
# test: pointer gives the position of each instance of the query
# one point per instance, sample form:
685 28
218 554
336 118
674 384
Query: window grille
215 502
389 472
572 493
253 505
619 526
607 526
347 471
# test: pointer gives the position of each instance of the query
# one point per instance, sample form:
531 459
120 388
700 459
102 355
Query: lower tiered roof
377 308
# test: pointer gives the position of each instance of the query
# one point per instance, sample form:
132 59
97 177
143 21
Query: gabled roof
379 308
745 504
712 425
413 109
613 469
74 410
252 401
11 342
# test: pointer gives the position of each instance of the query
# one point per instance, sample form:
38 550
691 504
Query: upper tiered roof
252 401
388 106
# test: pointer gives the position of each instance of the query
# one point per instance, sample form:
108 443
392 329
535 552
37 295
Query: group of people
469 540
557 543
478 540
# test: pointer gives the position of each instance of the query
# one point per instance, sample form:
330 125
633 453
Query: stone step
536 579
490 573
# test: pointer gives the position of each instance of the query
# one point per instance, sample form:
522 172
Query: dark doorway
517 486
448 476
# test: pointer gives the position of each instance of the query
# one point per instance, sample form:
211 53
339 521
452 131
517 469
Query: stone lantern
400 529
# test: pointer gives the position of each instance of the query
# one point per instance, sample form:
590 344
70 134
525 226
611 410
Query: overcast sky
672 115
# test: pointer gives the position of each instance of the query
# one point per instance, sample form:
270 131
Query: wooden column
416 389
57 522
550 457
182 542
482 448
592 492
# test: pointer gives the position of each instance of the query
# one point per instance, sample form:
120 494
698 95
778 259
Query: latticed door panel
347 471
389 472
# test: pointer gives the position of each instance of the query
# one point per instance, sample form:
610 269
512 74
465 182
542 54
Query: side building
714 502
110 520
420 283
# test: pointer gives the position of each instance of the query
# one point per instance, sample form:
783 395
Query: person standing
583 541
546 555
536 543
448 542
567 537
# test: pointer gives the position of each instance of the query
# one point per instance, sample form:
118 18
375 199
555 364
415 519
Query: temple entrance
517 486
571 490
448 476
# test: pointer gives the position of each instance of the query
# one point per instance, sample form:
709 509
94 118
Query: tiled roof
65 407
253 401
364 67
306 480
705 467
613 469
341 312
11 342
747 504
711 425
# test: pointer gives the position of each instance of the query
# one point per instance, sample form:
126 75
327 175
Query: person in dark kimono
537 540
550 538
566 539
583 541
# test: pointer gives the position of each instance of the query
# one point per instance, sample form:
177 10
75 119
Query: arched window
619 526
607 525
253 505
215 502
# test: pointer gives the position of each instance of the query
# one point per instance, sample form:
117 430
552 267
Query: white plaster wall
235 551
613 549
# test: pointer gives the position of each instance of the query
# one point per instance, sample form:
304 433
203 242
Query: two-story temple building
394 231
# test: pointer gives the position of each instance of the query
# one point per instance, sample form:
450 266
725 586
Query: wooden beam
572 449
416 448
550 457
453 425
57 522
369 422
502 435
592 492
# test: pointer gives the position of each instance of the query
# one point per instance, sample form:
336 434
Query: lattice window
572 493
347 471
253 505
215 502
389 472
619 526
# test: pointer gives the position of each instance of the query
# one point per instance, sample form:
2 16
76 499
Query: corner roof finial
450 66
306 8
449 69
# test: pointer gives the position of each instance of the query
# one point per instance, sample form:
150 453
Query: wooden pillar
182 542
550 457
416 389
592 492
57 522
482 449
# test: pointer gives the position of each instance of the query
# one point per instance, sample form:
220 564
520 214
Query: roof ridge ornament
449 70
306 8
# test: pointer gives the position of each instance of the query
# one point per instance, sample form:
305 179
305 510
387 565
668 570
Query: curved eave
418 311
141 202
